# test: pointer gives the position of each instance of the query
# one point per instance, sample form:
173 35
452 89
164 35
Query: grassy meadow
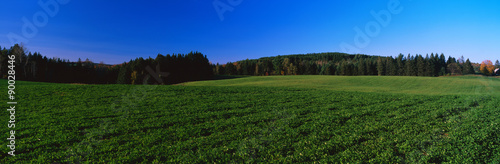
272 119
456 85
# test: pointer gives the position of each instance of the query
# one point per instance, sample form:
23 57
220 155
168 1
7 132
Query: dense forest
349 65
178 68
169 69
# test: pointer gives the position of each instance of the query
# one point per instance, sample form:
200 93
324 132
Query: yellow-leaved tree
487 67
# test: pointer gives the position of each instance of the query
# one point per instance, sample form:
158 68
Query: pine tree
400 65
310 68
230 69
370 68
354 68
349 68
326 69
268 67
390 66
344 68
361 67
123 75
410 66
437 67
420 65
292 69
430 66
380 67
277 65
442 65
454 69
468 68
258 68
451 60
286 65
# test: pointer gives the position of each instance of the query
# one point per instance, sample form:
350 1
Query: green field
276 119
458 85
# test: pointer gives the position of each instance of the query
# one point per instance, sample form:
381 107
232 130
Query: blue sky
117 31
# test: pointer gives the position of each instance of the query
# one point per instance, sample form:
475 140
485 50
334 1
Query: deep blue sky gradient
117 31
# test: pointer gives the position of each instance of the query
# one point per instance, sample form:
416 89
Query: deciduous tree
487 67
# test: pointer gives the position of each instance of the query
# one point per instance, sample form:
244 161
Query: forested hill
348 64
178 68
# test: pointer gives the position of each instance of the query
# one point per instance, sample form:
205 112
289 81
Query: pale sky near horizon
117 31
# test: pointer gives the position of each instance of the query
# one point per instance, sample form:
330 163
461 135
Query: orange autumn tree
487 67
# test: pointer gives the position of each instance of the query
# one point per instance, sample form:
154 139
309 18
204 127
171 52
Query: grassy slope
470 85
279 118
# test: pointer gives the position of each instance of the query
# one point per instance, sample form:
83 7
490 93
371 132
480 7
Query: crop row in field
198 124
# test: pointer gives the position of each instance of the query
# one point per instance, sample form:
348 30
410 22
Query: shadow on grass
216 77
224 77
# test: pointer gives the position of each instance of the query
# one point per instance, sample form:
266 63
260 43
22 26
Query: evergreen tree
277 65
430 66
454 69
258 69
451 60
468 68
310 68
219 69
370 68
326 69
380 67
268 67
286 65
442 65
123 75
343 68
292 69
410 66
400 65
230 69
301 67
354 68
331 68
390 66
361 67
420 65
349 66
195 66
239 71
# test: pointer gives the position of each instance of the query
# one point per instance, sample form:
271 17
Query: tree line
178 68
164 69
349 65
